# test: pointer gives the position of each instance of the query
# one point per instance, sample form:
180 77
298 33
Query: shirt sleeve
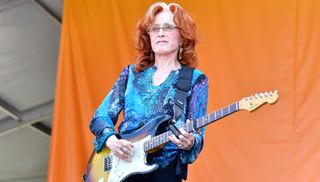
197 108
106 116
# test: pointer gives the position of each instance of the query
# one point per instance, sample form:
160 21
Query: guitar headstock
253 102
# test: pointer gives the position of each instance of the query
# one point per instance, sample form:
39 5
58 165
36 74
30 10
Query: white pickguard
121 169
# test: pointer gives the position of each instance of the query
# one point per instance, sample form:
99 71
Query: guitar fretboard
194 125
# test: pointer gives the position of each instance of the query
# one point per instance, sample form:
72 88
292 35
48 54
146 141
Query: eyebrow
164 24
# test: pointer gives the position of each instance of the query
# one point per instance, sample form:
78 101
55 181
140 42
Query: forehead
164 17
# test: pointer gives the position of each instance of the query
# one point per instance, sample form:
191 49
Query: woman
166 39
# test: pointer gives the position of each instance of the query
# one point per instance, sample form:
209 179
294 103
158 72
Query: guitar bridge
107 164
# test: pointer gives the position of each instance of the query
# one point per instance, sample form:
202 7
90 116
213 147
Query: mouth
161 41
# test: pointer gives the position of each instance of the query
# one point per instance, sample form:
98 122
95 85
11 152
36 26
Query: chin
163 51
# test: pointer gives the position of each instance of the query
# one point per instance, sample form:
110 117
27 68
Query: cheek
175 39
152 41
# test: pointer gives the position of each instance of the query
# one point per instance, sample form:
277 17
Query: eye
156 29
166 28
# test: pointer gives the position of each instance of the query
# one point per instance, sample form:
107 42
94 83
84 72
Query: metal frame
33 117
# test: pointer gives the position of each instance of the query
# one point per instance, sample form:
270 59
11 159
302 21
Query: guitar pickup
107 164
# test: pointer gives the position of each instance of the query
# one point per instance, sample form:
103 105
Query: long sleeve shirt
140 100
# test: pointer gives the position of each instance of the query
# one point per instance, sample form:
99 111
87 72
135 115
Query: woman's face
164 35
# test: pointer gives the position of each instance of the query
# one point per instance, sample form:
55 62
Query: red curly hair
187 27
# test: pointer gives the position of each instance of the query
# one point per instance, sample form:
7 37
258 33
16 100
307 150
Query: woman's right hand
121 148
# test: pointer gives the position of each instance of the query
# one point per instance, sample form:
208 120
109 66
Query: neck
166 62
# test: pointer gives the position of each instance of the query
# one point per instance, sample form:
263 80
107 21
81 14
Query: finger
127 148
186 134
175 140
122 155
126 143
184 139
186 143
188 138
182 131
126 151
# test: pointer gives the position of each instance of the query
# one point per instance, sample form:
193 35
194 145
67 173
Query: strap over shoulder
183 86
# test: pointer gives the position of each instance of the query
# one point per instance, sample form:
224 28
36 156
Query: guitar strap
183 86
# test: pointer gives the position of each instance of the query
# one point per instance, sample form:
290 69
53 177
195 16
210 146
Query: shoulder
128 69
198 76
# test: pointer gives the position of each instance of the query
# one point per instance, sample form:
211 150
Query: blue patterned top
140 100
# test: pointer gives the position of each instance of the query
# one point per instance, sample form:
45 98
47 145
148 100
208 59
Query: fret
229 109
210 118
197 123
194 124
164 137
232 109
217 114
185 127
206 120
225 111
167 135
152 143
202 121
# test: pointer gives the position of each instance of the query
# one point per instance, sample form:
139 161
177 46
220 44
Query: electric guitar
107 167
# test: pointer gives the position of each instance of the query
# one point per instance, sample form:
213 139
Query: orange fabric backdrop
245 47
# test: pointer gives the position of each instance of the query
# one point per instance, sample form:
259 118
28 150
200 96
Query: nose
161 31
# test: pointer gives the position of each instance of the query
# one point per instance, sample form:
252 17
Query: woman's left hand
185 140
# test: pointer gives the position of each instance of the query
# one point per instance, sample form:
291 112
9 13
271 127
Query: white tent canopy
29 43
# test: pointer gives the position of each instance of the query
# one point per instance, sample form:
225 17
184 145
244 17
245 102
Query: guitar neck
194 125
